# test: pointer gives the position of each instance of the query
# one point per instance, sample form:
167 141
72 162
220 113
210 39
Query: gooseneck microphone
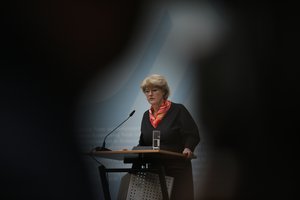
103 144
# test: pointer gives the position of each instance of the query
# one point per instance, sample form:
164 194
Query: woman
178 133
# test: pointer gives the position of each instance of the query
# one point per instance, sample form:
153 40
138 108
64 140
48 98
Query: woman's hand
187 152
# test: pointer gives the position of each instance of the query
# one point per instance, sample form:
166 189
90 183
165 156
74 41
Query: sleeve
141 140
189 129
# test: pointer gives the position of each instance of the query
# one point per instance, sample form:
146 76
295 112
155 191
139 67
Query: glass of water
156 139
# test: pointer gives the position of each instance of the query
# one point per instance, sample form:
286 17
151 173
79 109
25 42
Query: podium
137 158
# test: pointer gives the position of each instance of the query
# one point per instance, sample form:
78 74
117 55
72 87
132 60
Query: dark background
249 101
50 49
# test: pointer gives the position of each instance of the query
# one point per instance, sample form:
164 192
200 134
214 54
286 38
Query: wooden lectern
140 158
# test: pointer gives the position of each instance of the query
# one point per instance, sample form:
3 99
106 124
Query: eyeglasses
147 91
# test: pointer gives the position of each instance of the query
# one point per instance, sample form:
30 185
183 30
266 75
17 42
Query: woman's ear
165 95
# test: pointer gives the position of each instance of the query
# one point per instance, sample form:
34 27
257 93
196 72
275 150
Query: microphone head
131 113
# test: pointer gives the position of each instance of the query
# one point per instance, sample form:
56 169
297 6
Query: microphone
103 144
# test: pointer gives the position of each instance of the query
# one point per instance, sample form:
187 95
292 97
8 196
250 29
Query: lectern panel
143 186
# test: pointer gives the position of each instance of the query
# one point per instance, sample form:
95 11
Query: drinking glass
156 139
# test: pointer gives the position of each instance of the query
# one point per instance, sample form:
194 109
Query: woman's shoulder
146 112
177 105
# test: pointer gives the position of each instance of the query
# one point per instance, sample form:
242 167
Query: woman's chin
152 102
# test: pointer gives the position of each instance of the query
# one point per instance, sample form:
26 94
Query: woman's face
154 96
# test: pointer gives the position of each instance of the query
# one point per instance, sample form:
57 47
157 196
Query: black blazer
178 130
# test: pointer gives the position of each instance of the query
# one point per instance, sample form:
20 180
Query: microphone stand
102 148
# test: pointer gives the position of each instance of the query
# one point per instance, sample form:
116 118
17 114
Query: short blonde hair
156 80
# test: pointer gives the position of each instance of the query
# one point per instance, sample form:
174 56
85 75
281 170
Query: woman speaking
178 133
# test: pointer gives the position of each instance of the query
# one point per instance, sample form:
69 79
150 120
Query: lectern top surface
120 154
